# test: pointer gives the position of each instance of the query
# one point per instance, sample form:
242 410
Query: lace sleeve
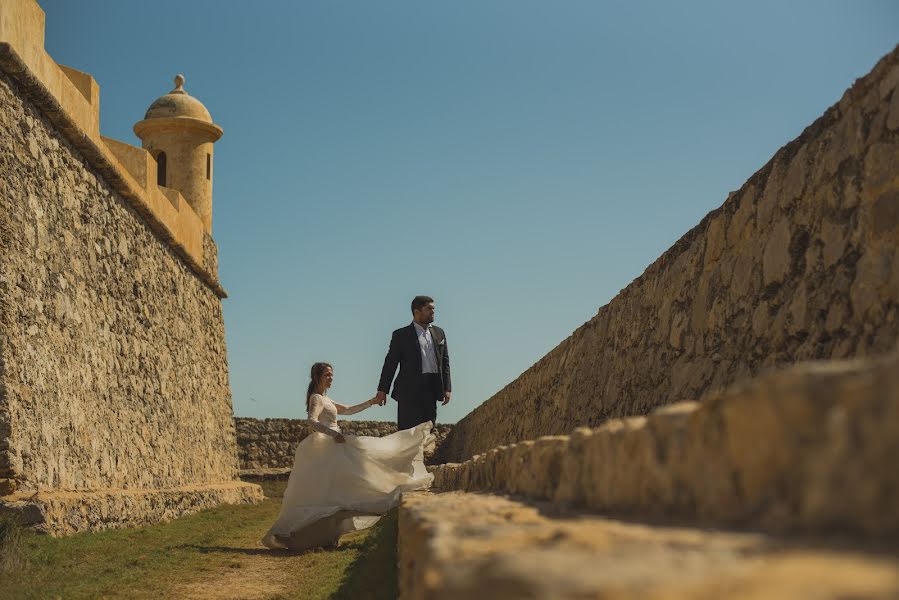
315 409
343 409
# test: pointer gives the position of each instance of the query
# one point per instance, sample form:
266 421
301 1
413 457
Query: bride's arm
343 409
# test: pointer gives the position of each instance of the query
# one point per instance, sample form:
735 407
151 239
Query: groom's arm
447 384
390 363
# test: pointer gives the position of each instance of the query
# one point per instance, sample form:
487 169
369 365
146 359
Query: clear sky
520 161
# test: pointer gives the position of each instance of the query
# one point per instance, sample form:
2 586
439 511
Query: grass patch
12 556
194 555
373 573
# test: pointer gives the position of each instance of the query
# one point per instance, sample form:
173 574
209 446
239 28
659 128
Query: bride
342 483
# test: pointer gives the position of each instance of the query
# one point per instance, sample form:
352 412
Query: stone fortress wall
271 443
802 262
811 448
113 366
782 485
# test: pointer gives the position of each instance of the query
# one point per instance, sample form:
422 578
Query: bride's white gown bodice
323 410
337 488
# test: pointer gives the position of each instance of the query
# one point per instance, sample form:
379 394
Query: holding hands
348 410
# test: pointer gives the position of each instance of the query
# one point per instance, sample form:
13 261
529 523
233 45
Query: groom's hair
419 302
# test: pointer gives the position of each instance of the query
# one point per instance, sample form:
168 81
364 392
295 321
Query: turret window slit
160 169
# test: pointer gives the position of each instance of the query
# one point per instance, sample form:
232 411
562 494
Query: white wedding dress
334 488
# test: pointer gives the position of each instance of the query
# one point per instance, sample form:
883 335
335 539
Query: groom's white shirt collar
428 351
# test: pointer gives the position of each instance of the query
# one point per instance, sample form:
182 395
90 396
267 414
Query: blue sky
520 161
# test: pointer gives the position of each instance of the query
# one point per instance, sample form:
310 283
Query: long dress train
334 488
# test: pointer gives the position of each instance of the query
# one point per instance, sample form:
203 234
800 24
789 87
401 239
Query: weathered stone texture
271 443
268 443
62 513
459 545
210 255
801 263
808 448
114 371
265 474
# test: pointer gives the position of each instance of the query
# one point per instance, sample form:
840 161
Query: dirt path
247 571
249 577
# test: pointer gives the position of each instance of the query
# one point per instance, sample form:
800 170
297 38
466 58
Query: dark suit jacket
405 352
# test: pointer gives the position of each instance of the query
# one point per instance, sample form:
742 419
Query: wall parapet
809 448
70 99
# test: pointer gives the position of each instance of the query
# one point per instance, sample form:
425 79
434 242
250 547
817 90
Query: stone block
809 448
63 513
458 545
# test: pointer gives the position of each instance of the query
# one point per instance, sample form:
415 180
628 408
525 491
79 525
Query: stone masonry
271 443
466 545
809 448
101 324
781 487
801 263
115 406
774 485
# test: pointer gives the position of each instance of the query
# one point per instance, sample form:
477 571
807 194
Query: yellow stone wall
73 100
115 404
114 365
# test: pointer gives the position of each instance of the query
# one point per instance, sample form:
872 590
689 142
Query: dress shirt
428 352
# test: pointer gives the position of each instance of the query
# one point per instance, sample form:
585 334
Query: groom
420 351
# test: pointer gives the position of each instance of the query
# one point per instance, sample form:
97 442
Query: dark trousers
422 407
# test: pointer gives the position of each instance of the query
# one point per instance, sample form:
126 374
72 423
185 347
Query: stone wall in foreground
114 370
800 263
470 545
271 443
810 448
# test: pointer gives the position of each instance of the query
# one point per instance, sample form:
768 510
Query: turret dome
178 103
178 110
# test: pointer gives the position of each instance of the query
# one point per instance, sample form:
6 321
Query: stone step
65 512
465 545
269 474
811 448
